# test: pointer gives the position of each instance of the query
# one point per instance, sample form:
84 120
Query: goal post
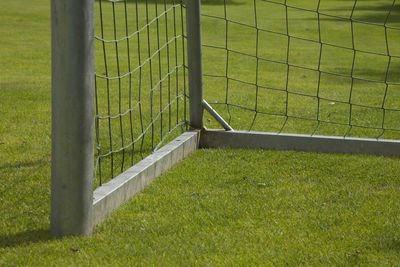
72 117
75 206
261 91
195 66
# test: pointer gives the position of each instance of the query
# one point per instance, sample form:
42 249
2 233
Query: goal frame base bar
315 143
111 195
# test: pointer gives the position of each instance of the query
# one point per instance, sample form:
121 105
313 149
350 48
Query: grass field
218 207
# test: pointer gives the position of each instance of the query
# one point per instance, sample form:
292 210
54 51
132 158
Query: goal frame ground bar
111 195
322 144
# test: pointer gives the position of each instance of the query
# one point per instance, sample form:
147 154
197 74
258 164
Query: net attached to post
140 81
305 67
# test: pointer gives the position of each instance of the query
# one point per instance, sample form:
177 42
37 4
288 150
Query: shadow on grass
25 238
389 241
391 244
373 13
374 73
24 164
370 73
380 17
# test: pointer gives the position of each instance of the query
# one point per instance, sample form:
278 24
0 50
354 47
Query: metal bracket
216 116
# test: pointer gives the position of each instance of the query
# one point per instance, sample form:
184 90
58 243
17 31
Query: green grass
219 207
241 207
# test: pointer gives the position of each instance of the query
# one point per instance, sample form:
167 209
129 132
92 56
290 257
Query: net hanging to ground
140 81
307 67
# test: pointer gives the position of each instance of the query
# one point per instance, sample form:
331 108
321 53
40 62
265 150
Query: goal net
304 67
140 81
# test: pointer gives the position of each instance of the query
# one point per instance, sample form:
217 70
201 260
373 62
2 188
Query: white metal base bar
325 144
111 195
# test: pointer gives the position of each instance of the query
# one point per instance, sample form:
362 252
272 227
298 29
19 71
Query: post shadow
375 13
25 238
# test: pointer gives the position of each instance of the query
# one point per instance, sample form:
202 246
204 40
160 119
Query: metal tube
299 142
195 67
216 116
72 117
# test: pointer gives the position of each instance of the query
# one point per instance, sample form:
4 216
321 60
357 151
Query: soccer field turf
218 207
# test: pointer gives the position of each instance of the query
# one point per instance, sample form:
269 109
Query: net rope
306 67
338 66
140 92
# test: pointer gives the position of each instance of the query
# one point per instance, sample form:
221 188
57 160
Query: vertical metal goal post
72 116
75 207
